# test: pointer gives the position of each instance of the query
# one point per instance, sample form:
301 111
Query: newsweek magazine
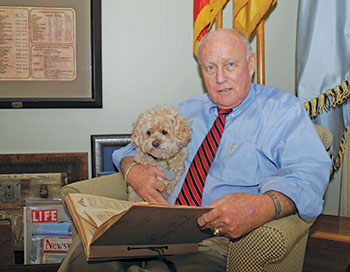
47 231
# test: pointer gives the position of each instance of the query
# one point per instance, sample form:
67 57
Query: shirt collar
212 106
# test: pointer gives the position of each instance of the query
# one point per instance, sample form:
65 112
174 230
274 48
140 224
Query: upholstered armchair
278 245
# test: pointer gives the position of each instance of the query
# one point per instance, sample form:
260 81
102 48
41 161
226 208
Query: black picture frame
102 147
84 92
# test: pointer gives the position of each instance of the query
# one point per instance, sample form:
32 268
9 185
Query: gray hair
248 47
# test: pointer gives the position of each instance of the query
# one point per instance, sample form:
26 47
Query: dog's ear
182 129
135 133
134 139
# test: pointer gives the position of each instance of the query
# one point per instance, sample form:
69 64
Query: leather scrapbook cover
115 229
7 256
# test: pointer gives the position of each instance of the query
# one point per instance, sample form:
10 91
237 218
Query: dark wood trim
328 247
74 165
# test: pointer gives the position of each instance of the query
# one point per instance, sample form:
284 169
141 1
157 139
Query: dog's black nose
156 143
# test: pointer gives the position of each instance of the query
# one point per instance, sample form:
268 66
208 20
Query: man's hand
237 214
144 180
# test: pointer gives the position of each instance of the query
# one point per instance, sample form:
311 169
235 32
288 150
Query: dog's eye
149 132
164 132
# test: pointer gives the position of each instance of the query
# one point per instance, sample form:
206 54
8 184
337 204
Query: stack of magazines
47 231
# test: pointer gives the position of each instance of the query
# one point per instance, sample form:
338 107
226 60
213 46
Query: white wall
147 60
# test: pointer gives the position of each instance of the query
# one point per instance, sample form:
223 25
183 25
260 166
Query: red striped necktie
192 188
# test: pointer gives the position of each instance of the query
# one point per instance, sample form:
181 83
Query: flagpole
218 20
261 52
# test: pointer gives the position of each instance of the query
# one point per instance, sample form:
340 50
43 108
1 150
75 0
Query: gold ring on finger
216 231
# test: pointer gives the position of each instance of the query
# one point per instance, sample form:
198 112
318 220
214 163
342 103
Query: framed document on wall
50 54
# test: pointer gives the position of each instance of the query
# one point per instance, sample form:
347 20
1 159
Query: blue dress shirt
269 143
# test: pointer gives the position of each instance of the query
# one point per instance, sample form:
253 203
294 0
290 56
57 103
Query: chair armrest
267 244
112 186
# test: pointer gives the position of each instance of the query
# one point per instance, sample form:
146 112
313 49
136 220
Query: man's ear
251 63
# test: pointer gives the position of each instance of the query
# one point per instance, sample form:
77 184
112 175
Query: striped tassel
328 100
337 161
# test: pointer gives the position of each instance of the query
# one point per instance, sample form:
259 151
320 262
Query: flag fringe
325 102
328 100
337 161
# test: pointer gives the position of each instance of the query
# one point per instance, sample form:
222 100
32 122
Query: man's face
227 73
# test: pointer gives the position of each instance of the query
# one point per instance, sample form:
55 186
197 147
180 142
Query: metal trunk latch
10 192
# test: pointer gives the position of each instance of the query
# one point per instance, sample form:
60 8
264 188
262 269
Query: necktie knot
224 112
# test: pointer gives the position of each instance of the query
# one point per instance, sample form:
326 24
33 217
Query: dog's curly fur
161 135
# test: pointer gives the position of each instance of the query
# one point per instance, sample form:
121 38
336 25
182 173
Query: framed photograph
102 147
50 54
74 166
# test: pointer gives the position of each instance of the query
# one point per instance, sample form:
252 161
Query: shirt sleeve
119 154
303 165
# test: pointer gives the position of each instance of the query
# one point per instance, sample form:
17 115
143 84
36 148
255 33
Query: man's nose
221 76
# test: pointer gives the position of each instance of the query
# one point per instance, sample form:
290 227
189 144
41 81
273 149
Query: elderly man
269 163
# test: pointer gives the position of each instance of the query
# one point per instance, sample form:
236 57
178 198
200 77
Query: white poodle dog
161 135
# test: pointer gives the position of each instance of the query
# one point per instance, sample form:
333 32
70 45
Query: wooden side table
328 247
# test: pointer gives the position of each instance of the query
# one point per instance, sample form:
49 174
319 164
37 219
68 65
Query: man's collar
212 106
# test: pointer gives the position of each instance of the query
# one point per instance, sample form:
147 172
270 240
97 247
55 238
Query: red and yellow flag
246 16
248 13
204 13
